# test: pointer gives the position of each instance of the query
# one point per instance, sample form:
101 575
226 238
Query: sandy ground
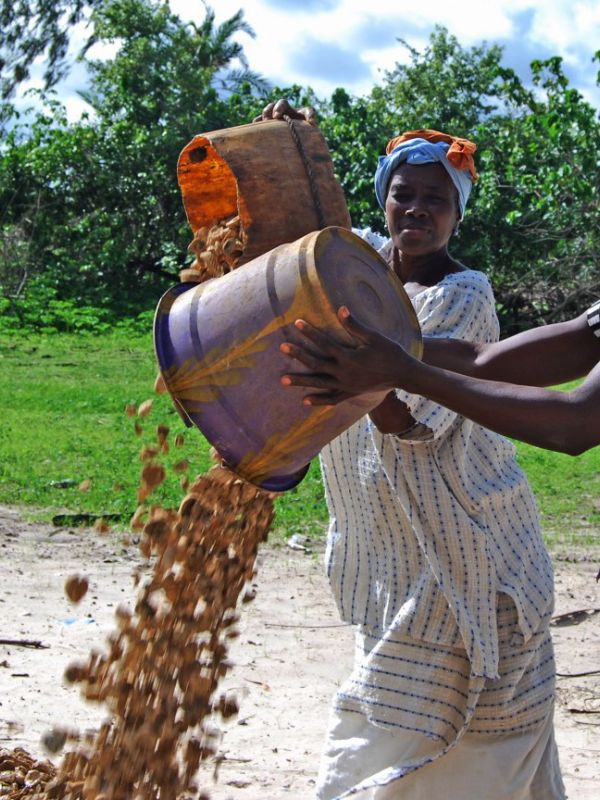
291 656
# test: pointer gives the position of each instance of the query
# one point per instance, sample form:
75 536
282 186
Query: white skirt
522 766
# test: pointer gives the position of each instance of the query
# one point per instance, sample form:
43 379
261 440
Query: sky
351 43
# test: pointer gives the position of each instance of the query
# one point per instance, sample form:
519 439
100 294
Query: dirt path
292 654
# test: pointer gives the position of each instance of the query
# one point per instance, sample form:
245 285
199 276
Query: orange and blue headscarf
426 147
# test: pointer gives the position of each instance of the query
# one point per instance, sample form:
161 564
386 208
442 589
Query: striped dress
435 553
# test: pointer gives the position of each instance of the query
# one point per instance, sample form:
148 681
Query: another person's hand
343 371
282 108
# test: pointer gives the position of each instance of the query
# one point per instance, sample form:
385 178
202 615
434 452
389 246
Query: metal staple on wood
309 172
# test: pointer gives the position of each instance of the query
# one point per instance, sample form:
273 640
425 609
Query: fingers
353 326
266 113
314 381
314 361
310 115
326 398
324 343
281 108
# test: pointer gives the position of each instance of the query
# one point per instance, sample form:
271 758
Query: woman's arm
567 422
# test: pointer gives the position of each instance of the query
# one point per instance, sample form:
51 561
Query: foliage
92 227
96 205
35 28
532 224
534 221
356 131
445 87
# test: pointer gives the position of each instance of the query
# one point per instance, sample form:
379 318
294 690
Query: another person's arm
567 422
543 356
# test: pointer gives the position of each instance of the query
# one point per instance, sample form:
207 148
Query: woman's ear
456 226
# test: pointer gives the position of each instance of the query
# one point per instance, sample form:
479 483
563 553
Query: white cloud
286 38
567 28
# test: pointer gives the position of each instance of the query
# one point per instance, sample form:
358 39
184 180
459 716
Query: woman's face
421 208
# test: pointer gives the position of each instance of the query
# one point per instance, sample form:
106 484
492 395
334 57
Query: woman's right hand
282 108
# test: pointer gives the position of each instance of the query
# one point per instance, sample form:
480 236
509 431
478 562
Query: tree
356 130
34 28
535 216
90 213
445 87
532 222
109 227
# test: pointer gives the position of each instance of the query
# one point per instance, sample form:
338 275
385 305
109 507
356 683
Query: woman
434 548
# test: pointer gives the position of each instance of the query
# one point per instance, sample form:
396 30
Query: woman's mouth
413 229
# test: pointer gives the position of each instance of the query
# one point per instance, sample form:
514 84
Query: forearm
554 420
541 357
392 416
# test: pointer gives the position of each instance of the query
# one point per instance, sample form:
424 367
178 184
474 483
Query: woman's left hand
341 371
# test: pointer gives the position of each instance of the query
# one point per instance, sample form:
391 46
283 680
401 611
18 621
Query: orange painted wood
256 171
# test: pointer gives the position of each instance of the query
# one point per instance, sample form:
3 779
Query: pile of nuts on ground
22 775
159 677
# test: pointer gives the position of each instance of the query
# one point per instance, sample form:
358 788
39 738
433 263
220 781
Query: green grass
568 493
62 400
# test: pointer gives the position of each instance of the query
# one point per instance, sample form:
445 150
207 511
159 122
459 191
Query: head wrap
426 147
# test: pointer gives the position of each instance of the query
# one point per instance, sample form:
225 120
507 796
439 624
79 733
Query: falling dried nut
217 250
182 466
54 740
148 452
227 705
75 672
190 275
187 595
161 434
143 493
162 431
101 526
249 595
117 487
85 485
137 520
145 408
76 587
179 440
138 428
131 409
153 475
215 455
160 387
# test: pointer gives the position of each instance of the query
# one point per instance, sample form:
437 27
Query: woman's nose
416 210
